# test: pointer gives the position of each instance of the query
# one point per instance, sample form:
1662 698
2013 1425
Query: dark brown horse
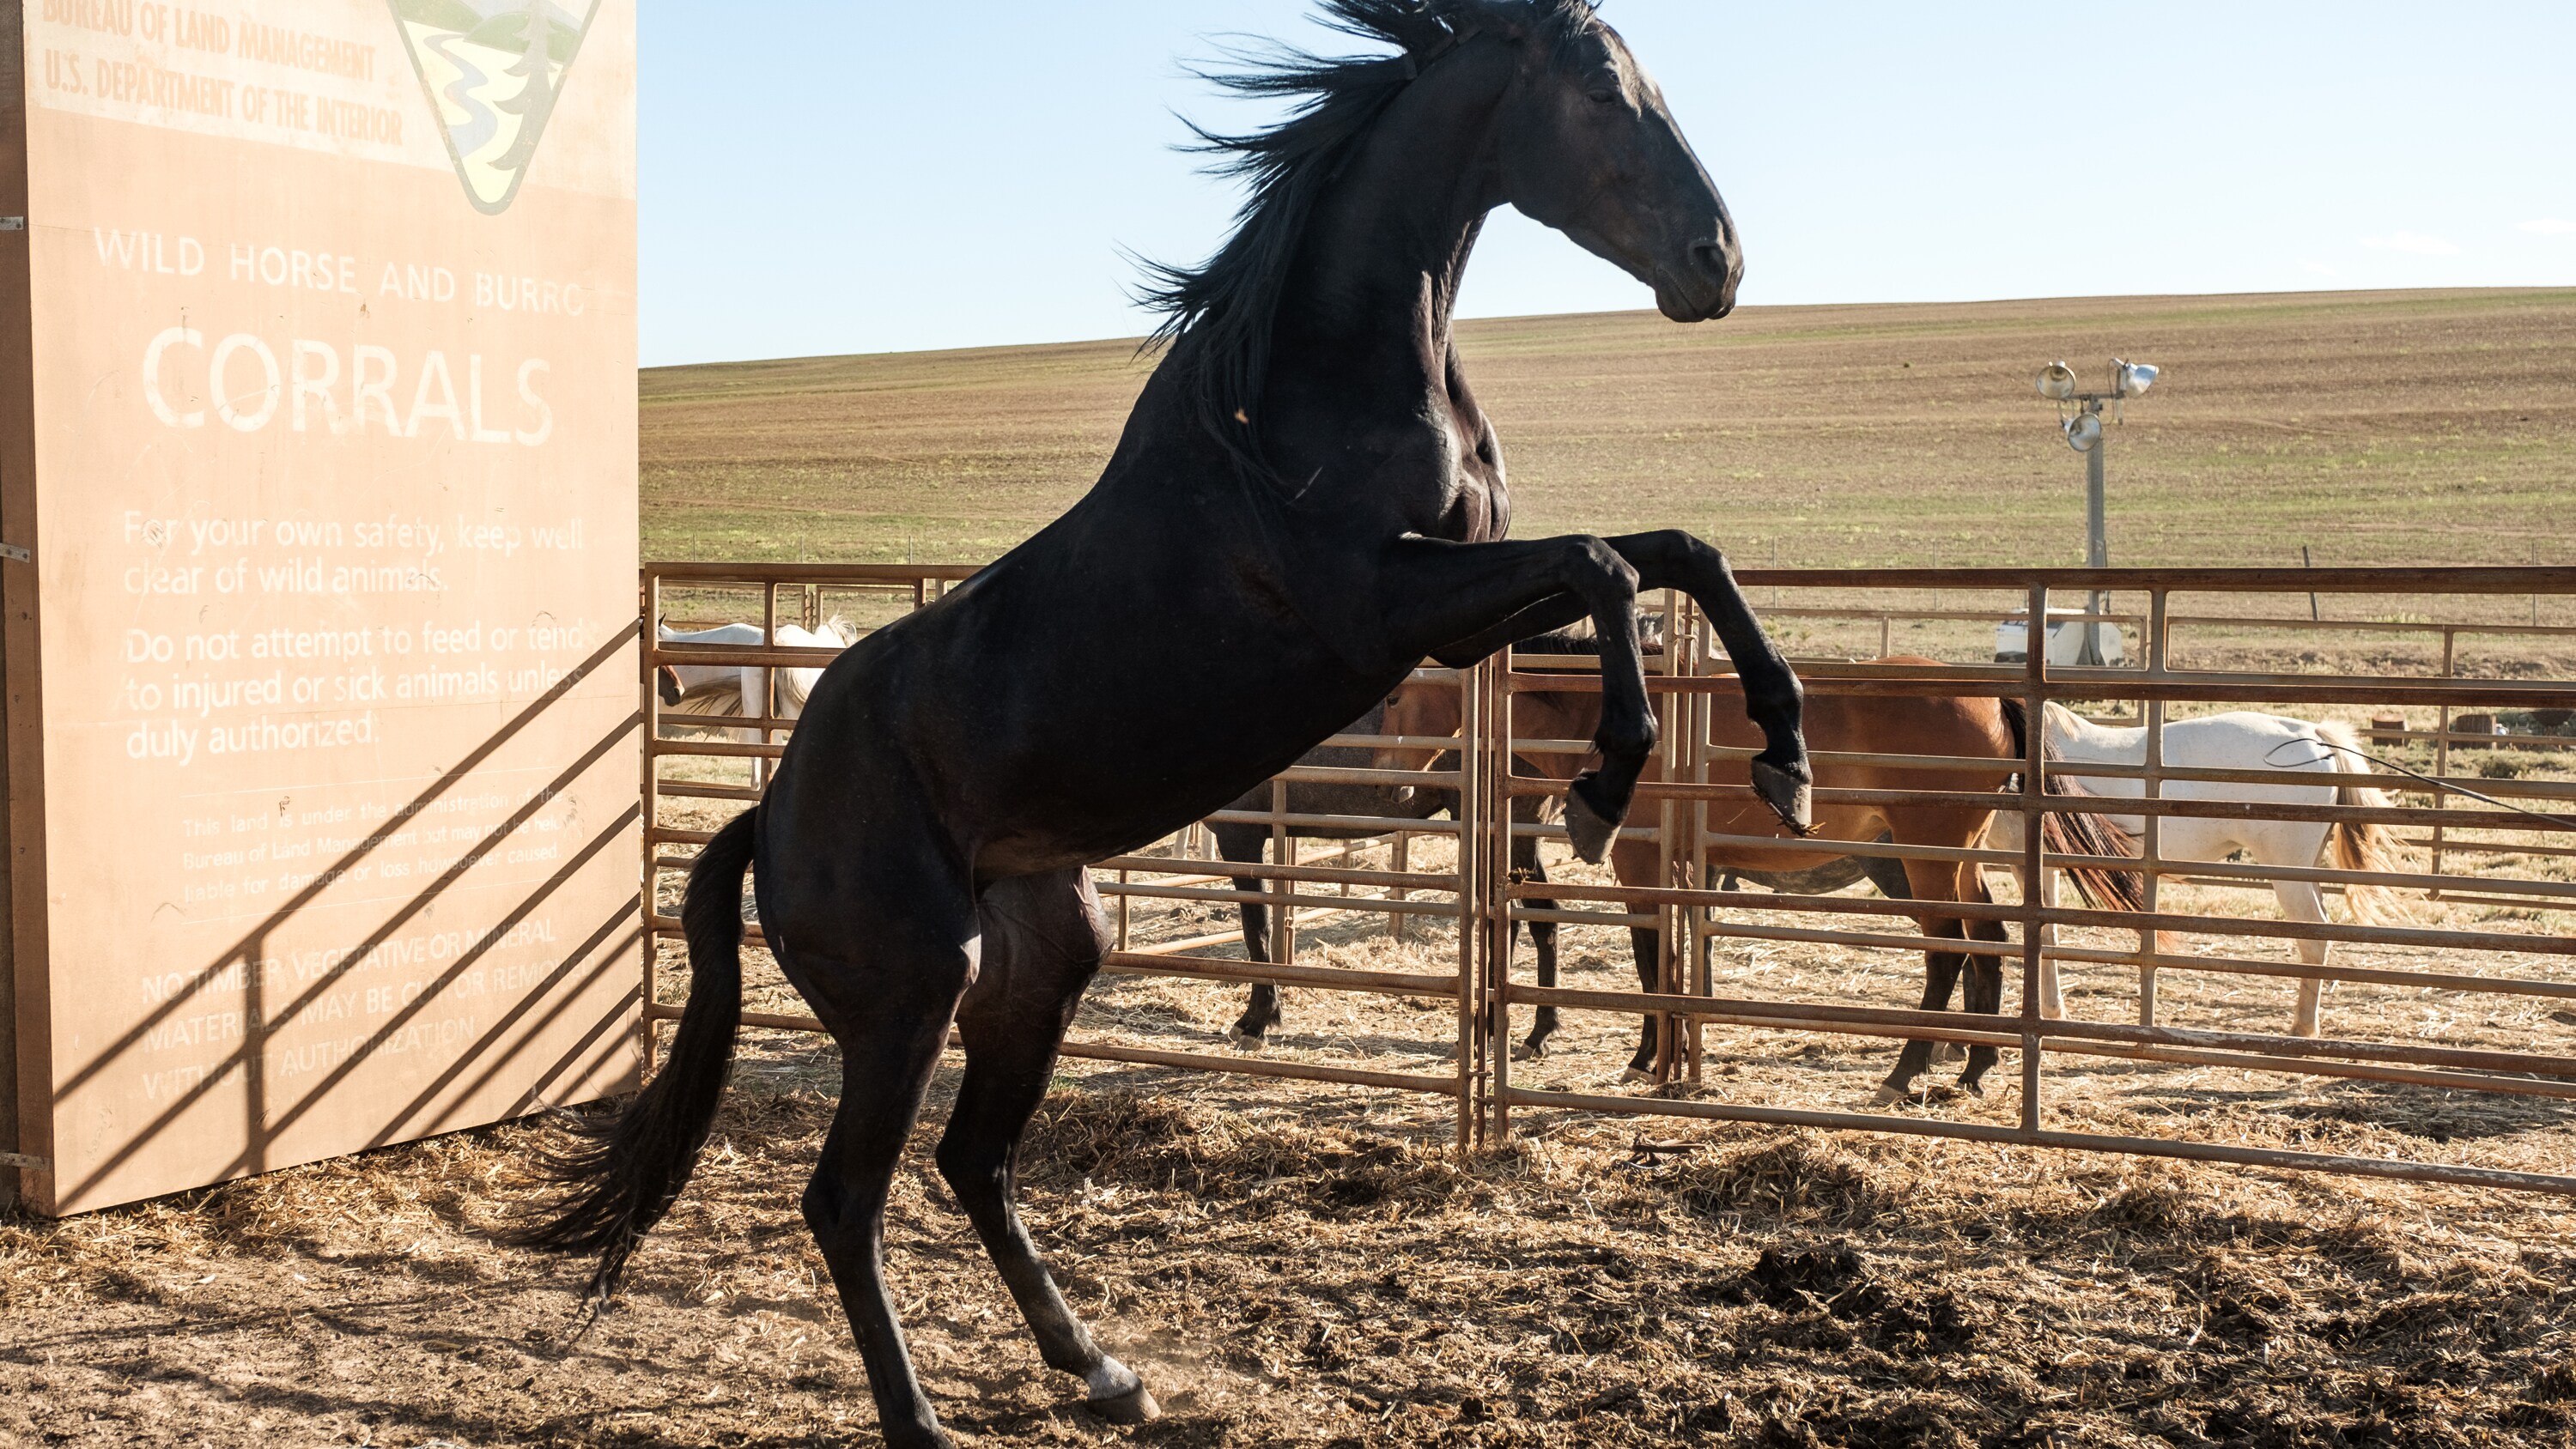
1845 724
1306 502
1247 841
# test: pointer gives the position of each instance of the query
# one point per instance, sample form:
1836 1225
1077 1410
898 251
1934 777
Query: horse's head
1587 146
1422 710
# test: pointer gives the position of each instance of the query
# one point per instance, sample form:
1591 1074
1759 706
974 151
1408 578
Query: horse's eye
1606 96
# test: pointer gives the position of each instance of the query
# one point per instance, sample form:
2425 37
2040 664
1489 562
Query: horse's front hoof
1533 1050
1637 1074
1887 1096
1972 1088
1136 1406
1251 1039
1789 797
1944 1053
1591 830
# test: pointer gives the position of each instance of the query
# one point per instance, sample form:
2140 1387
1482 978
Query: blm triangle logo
493 69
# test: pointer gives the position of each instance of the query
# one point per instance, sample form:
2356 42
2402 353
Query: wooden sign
317 546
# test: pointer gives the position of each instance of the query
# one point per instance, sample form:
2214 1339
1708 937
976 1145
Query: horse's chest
1474 512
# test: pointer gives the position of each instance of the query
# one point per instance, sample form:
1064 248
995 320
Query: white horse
2241 740
716 691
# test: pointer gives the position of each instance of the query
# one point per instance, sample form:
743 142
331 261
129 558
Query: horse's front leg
1447 600
1773 698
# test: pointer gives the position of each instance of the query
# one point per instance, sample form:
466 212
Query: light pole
2083 429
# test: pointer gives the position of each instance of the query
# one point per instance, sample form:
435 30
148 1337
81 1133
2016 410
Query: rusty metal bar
2075 1141
649 792
1276 900
2034 863
2443 580
847 574
1260 1067
1324 875
1976 681
1929 1023
1471 1055
1323 978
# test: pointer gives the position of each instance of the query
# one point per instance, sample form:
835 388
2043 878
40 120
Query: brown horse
1975 728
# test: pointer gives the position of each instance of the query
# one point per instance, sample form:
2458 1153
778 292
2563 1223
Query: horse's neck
1364 318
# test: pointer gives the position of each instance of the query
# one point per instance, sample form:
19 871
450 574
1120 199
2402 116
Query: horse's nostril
1717 260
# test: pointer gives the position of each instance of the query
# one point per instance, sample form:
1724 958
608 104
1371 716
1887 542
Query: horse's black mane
1217 316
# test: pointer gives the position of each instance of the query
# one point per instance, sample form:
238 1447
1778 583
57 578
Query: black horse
1306 502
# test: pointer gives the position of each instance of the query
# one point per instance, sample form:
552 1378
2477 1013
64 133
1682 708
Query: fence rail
2472 826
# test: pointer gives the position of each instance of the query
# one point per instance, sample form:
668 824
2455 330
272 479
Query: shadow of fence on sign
476 1064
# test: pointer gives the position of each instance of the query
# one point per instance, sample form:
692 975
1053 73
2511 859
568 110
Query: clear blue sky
867 177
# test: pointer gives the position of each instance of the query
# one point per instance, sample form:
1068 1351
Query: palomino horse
2321 764
1835 723
1305 503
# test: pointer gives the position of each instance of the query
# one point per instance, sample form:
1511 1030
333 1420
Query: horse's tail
2362 845
2082 833
624 1175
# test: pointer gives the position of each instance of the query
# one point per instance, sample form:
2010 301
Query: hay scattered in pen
1291 1268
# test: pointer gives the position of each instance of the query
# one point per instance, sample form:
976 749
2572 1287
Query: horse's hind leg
889 1010
1940 979
1542 940
1647 945
1043 940
2302 901
1239 842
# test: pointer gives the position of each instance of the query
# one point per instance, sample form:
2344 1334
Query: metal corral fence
691 594
2499 861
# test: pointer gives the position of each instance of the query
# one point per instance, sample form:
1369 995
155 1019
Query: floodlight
2136 377
2057 382
2084 432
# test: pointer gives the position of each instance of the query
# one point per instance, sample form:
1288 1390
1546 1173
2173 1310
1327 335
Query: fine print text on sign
330 799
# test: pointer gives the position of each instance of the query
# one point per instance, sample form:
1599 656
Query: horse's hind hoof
1789 797
1591 832
1136 1406
1636 1074
1948 1052
1533 1050
1887 1096
1251 1041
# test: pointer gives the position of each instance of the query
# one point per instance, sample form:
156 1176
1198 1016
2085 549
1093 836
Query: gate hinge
14 554
13 223
25 1162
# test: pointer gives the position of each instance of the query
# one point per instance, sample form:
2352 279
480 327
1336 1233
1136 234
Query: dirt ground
1296 1264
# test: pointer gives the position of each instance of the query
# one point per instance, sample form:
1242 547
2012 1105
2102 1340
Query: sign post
318 497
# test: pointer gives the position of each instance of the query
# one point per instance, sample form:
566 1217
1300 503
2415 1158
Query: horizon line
1140 341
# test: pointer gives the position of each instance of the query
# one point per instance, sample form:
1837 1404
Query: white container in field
2065 640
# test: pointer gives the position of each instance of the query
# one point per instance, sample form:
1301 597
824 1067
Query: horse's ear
1508 20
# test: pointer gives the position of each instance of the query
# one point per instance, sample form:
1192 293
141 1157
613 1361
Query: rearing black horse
1306 502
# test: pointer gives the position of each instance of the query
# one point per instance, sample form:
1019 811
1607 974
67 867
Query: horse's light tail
2082 833
2362 845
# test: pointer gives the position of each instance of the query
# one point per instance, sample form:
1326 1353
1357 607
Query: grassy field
2375 428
